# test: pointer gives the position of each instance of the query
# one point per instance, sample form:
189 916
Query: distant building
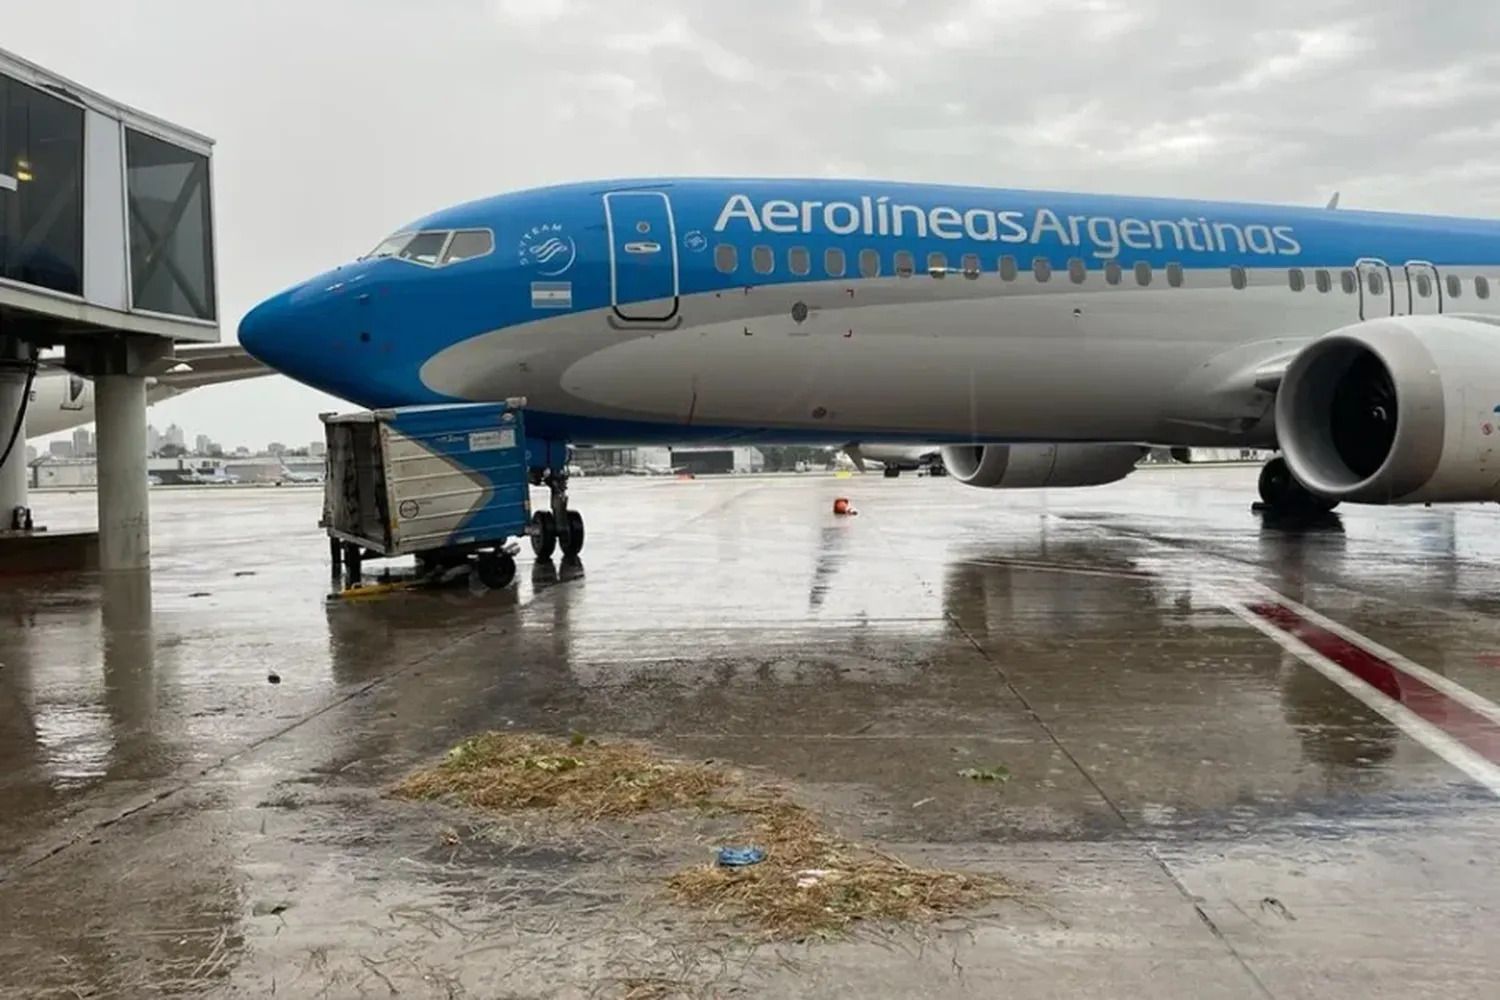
83 442
60 449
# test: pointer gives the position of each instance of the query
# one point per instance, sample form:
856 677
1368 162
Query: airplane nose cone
265 331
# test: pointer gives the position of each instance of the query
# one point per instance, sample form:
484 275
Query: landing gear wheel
495 570
571 540
1282 494
544 541
891 473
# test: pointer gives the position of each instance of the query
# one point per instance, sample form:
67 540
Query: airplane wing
193 366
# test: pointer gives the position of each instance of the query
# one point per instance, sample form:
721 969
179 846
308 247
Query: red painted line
1451 716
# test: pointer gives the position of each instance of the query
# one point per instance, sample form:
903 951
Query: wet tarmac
1205 793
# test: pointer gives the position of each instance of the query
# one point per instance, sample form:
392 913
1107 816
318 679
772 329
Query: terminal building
107 253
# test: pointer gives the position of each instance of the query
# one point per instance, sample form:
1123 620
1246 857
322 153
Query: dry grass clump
813 884
503 772
810 883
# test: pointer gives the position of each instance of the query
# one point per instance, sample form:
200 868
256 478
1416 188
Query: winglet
1334 201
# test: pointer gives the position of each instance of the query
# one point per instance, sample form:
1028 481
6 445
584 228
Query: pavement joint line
185 781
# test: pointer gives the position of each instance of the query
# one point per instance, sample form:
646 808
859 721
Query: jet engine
1021 466
1396 410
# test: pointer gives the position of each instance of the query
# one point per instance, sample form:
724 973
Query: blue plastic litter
738 857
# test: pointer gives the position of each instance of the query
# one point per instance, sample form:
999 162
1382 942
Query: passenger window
1077 270
1455 286
798 260
1296 279
1008 268
1113 272
906 265
726 258
763 259
971 265
1143 273
937 263
1348 282
1482 287
1237 276
869 263
425 248
1174 275
1424 286
468 244
1376 283
1041 267
1323 280
833 262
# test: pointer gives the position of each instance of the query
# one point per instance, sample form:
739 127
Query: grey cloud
337 120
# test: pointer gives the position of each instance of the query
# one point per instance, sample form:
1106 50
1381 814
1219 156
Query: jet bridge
107 252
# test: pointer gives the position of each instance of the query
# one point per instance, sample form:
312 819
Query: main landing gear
561 527
1281 495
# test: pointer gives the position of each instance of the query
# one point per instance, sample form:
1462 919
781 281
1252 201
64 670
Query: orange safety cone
841 506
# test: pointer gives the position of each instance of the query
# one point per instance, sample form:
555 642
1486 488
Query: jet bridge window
905 264
1143 273
171 228
1455 286
1295 279
1237 276
1077 270
41 189
799 261
869 263
1174 275
468 244
1008 268
833 262
762 259
726 258
1113 272
1323 280
1041 268
1348 282
1482 286
425 247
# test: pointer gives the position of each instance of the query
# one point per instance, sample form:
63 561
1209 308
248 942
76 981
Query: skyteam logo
1101 235
547 249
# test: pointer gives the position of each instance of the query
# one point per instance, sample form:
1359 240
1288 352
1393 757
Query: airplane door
73 396
1377 294
643 275
1424 288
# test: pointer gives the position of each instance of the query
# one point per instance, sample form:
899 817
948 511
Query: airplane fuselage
834 311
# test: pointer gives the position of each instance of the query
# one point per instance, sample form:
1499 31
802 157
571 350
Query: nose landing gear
561 527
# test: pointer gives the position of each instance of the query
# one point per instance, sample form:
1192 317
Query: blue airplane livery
1033 339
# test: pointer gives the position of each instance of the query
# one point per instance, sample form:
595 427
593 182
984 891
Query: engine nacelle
1023 466
1396 410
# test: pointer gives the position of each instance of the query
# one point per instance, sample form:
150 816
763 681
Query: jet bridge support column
119 367
15 362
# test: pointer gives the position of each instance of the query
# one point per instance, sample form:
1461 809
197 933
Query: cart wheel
572 541
545 539
496 570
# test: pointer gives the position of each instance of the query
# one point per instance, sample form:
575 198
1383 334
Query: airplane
287 475
61 400
896 458
1040 339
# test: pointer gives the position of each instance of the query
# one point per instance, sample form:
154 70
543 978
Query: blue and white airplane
1042 339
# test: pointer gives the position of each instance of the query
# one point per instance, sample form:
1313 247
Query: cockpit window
389 247
425 248
468 243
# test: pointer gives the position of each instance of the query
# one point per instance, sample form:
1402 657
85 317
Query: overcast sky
337 120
